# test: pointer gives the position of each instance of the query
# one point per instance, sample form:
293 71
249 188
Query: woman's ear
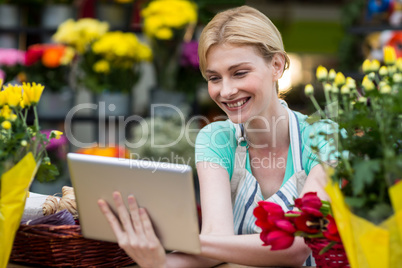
278 66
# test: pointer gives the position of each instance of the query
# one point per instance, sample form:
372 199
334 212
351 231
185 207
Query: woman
242 57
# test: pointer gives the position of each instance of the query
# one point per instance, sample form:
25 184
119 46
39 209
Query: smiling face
241 81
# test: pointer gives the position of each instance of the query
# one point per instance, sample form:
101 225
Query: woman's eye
213 78
240 74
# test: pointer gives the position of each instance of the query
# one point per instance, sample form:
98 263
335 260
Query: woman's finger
123 213
147 224
111 218
135 216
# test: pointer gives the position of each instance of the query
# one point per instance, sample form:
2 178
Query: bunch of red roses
313 220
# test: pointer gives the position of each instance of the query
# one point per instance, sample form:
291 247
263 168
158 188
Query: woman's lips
238 104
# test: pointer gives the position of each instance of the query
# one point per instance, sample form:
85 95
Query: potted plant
167 24
50 65
22 156
107 63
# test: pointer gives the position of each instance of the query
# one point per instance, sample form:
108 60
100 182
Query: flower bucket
55 14
368 245
13 193
55 104
116 15
113 104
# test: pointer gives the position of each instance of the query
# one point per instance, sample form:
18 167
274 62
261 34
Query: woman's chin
237 119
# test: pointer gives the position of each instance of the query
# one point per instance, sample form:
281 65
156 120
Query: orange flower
108 151
52 56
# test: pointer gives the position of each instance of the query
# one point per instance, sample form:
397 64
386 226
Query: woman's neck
270 132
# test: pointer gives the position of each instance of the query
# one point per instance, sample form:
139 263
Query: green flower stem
317 106
36 124
327 247
381 121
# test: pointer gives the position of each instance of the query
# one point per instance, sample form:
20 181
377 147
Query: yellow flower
13 95
101 66
383 71
3 99
6 112
309 90
350 82
6 125
399 64
33 92
331 75
397 77
172 14
335 89
345 89
55 134
339 79
327 87
164 34
321 73
389 55
13 117
375 65
362 99
386 89
368 84
1 82
366 66
68 56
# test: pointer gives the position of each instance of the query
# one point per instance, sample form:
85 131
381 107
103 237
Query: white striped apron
246 192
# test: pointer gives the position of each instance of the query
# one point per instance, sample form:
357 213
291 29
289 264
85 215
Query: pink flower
309 203
277 239
10 57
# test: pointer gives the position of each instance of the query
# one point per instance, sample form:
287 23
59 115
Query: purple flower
10 57
189 56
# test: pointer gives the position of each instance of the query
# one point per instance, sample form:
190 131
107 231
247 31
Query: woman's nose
228 90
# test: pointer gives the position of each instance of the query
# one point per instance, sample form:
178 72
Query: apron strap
239 170
295 141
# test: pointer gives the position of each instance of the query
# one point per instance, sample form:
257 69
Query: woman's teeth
236 104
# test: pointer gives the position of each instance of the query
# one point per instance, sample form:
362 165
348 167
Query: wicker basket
64 245
334 257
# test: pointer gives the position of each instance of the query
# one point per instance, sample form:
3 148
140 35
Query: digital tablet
166 190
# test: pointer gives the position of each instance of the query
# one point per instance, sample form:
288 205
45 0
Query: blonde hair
241 26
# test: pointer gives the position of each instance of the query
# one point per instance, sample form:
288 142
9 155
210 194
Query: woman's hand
135 235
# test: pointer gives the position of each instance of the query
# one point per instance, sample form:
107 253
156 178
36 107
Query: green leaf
47 173
355 202
364 174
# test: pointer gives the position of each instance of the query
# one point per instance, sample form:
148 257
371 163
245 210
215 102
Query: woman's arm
316 181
